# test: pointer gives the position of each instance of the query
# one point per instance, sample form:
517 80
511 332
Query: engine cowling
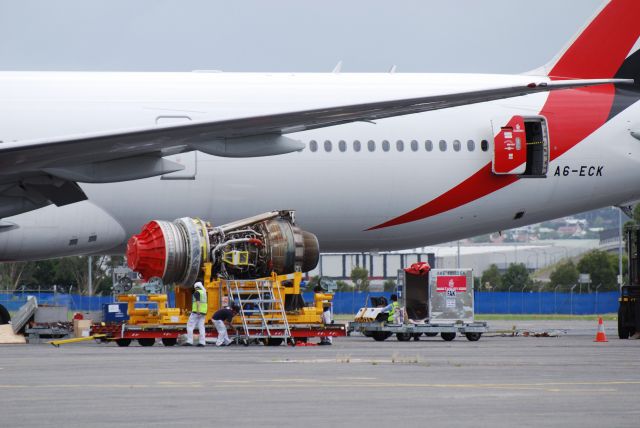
249 248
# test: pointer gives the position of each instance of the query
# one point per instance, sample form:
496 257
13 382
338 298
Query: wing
36 173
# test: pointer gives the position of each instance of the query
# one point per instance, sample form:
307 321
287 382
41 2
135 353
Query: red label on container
449 282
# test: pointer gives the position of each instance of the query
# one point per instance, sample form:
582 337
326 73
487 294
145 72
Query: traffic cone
600 336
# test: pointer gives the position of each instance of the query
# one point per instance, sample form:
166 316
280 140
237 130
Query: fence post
555 298
509 299
523 288
571 298
596 305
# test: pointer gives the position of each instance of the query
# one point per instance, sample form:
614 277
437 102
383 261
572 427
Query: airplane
368 161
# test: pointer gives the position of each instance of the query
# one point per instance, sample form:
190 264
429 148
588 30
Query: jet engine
249 248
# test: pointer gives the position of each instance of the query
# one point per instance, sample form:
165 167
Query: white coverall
223 336
196 320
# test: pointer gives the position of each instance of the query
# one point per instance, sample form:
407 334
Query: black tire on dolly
169 341
5 317
380 336
448 336
123 342
147 341
403 337
431 334
273 341
473 337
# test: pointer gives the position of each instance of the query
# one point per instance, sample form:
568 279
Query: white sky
495 36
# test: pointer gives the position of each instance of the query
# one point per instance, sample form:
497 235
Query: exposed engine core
249 248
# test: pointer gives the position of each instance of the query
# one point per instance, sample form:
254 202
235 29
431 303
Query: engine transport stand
439 300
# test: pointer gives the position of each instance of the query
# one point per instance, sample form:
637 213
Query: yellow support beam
57 343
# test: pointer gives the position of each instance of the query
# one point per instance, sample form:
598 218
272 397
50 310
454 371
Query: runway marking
555 387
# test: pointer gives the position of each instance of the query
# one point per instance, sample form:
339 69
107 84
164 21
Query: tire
123 342
448 336
146 341
431 334
403 337
623 332
473 337
273 341
367 334
380 336
416 336
5 317
169 341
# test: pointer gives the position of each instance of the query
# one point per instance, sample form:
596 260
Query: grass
517 317
533 317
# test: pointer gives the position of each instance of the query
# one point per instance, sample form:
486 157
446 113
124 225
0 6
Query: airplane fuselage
397 183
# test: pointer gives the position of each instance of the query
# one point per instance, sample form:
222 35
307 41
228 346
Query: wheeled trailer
148 335
430 301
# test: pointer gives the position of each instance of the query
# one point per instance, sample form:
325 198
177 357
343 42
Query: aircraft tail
606 47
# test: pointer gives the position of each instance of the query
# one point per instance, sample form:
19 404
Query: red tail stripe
600 49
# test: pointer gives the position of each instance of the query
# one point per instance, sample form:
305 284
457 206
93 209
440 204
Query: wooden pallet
8 337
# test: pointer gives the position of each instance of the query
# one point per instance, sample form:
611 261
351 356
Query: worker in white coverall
198 314
220 319
327 317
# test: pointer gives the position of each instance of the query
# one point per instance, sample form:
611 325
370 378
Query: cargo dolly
430 302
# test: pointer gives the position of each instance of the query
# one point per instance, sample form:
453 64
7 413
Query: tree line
64 275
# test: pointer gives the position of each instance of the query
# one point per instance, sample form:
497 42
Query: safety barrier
515 302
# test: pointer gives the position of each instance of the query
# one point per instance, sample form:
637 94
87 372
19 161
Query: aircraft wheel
123 342
448 336
169 341
5 317
473 337
146 341
380 336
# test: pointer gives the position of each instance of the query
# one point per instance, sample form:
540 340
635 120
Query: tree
600 266
15 273
565 275
312 283
491 278
516 276
389 285
360 278
343 286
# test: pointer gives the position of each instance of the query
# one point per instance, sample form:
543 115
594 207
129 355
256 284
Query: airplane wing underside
37 173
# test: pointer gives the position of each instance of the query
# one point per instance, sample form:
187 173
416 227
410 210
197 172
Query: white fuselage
337 194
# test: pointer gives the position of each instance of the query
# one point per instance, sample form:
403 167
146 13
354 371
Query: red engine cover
146 251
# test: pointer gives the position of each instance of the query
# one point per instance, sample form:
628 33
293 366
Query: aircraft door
510 146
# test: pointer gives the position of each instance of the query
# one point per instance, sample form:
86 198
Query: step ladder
261 309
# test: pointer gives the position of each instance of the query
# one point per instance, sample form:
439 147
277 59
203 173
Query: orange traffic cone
600 336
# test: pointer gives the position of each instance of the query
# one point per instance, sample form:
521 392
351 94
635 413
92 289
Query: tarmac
499 381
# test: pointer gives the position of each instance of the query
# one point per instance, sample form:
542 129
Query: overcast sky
496 36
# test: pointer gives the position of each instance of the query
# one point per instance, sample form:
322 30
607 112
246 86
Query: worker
198 314
326 316
393 310
220 319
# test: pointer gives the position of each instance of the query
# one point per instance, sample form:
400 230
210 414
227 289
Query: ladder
261 309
